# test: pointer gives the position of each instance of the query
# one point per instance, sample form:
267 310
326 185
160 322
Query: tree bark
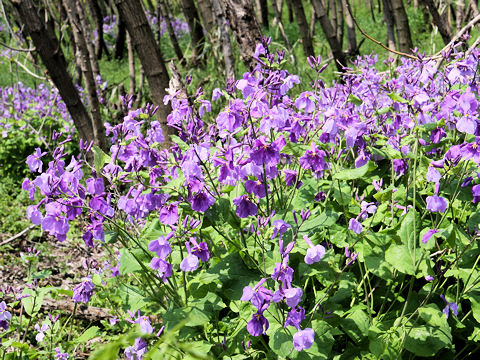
228 58
290 10
401 24
165 12
86 30
53 59
131 65
340 22
244 25
262 12
443 29
97 17
330 34
150 57
388 17
351 34
196 30
120 40
205 8
303 27
86 66
459 13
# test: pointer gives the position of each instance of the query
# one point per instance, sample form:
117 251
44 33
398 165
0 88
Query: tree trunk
205 8
225 38
262 12
88 77
97 17
131 65
244 25
332 5
340 22
459 14
165 12
443 29
330 34
196 29
85 27
52 57
351 34
290 10
401 24
388 17
121 37
150 57
303 27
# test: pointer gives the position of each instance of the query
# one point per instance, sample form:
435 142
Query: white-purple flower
315 253
303 339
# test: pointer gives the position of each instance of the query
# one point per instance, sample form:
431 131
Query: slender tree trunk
150 57
196 29
351 35
277 20
401 24
330 34
52 57
87 36
121 37
205 8
131 65
459 14
262 12
388 17
97 17
332 5
290 10
165 12
225 38
340 22
88 76
303 27
443 29
244 25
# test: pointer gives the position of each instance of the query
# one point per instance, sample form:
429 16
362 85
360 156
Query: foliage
339 222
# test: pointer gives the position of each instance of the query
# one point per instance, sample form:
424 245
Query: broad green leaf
400 258
356 324
397 98
425 340
88 334
352 174
355 99
295 149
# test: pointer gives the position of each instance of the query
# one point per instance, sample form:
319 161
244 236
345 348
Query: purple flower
295 317
245 207
83 291
280 228
433 174
305 102
314 253
169 214
400 166
145 326
436 203
265 153
290 177
256 187
283 272
54 222
137 350
95 186
450 306
59 355
313 159
293 296
355 226
161 246
164 269
258 324
5 316
429 278
476 193
34 215
34 162
201 201
258 296
190 263
303 339
428 235
40 335
199 250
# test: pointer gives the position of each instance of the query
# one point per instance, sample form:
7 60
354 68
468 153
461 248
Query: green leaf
33 303
99 158
182 144
400 258
295 149
356 324
324 219
409 228
88 334
427 340
352 174
397 98
280 341
355 99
